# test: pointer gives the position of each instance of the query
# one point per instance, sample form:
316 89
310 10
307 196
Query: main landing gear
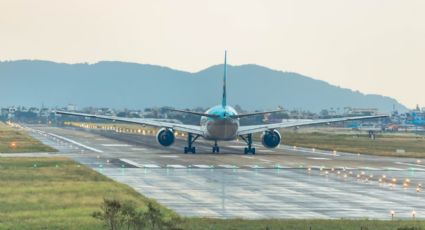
191 149
190 140
215 148
248 140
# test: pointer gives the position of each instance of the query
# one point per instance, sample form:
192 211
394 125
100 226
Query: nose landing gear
215 148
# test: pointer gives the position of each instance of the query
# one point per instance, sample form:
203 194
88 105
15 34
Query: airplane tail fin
223 99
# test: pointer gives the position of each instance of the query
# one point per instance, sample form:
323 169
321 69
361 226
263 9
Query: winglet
223 100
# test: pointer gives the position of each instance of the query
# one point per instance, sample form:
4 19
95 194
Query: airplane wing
243 130
142 121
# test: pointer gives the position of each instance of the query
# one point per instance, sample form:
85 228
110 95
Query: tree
117 215
130 217
154 216
324 113
110 213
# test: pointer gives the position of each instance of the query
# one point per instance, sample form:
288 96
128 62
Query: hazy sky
374 46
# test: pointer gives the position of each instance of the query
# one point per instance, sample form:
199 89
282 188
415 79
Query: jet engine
271 138
165 137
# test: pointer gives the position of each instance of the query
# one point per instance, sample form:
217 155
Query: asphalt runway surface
286 182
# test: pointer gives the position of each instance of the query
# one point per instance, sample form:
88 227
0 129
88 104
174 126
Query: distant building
362 111
33 110
71 107
44 112
4 112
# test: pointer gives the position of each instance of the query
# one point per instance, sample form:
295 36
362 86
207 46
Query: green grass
383 145
56 193
13 140
206 224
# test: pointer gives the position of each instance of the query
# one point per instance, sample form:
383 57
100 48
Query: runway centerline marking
116 145
176 166
249 157
150 166
76 143
130 162
304 150
369 168
138 149
266 151
410 164
394 169
228 166
255 166
203 166
169 156
319 158
264 160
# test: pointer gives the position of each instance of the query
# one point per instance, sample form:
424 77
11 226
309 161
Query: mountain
131 85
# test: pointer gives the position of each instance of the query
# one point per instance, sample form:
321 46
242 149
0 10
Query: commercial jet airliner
220 123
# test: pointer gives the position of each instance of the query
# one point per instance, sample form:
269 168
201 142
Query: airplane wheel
246 150
185 150
193 150
253 151
215 149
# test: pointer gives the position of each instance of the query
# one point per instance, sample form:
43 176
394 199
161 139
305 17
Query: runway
287 182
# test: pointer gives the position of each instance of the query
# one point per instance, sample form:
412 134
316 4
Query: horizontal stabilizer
194 113
254 114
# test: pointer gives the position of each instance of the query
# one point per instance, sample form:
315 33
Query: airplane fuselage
224 127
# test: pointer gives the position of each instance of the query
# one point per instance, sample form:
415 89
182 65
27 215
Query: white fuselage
223 127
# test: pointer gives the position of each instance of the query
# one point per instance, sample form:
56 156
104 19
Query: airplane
220 123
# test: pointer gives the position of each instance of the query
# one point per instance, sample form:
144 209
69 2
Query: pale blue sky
375 46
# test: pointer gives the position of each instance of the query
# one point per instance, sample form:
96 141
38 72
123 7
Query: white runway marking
116 145
138 149
410 164
368 168
151 166
265 151
319 158
254 166
169 156
203 166
76 143
236 146
394 169
228 166
418 169
131 162
264 160
315 151
176 166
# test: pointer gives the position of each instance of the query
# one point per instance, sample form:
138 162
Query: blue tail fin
223 99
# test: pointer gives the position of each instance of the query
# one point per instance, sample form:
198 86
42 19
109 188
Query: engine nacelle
271 138
165 137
